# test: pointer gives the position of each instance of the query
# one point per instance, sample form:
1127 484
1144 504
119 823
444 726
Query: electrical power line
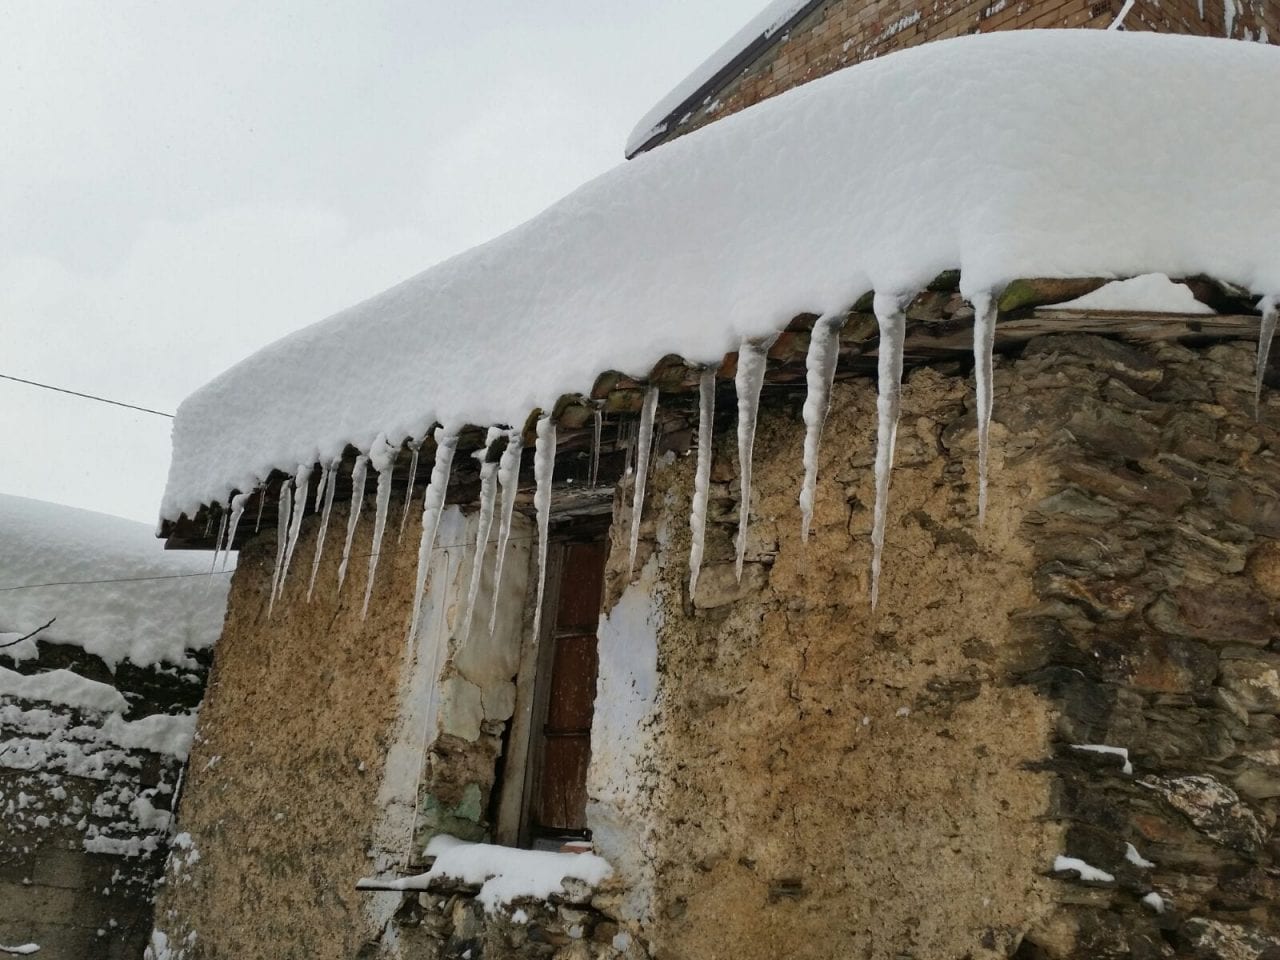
219 573
86 396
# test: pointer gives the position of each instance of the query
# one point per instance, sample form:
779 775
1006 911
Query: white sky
183 183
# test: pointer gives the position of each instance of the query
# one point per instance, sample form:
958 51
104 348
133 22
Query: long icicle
509 482
262 502
893 327
753 357
416 447
644 447
701 477
820 373
1270 307
484 523
282 539
383 457
544 465
984 339
238 503
358 474
301 486
432 505
222 536
329 481
597 429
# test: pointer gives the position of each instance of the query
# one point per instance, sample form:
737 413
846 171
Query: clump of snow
1083 870
25 949
1133 856
987 153
1154 901
1150 292
1121 752
112 587
505 874
62 687
766 23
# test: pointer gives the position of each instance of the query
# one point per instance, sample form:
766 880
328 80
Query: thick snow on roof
1016 154
764 24
53 562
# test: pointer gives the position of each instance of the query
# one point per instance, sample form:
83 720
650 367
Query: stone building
1024 707
104 645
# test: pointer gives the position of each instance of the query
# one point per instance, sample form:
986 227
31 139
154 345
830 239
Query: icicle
219 544
408 487
262 500
544 465
752 360
238 503
301 484
984 338
432 505
701 477
1270 307
383 456
282 538
509 481
644 445
820 373
358 474
329 483
488 485
893 328
595 446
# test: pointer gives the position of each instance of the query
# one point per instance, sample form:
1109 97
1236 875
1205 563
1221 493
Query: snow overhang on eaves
1019 154
768 28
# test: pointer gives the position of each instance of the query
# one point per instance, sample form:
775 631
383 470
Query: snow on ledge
1017 154
505 874
1151 292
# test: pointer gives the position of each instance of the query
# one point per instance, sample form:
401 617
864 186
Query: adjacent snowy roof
111 585
762 27
1016 154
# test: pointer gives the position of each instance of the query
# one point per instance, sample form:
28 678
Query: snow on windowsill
1149 293
1004 155
504 874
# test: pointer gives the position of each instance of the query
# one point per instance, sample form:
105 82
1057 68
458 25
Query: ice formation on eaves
544 465
359 475
701 476
484 524
383 457
644 447
731 231
509 483
753 358
432 506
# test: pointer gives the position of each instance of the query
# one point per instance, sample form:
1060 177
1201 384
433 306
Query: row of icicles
499 476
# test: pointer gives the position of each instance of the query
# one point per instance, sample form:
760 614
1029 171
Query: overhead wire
85 396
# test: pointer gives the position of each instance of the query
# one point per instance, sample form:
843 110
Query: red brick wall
841 32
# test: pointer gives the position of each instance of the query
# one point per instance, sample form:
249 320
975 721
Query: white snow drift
1027 153
108 584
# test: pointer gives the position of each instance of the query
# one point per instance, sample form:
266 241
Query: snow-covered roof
1016 154
763 27
112 587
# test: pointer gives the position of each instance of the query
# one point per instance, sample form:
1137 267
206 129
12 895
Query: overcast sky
182 183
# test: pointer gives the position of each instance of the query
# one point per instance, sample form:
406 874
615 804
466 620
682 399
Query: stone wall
831 782
329 750
842 32
1054 738
85 802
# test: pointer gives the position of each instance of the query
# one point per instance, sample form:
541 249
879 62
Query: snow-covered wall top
153 605
765 24
1016 154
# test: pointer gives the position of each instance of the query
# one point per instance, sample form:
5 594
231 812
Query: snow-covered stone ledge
480 897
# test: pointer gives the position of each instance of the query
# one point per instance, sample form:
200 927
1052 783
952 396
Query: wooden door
561 798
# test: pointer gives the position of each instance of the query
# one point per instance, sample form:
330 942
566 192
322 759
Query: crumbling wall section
90 762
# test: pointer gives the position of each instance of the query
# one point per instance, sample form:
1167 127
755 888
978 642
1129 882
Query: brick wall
843 32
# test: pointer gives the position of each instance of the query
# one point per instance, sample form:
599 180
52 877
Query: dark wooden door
561 800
